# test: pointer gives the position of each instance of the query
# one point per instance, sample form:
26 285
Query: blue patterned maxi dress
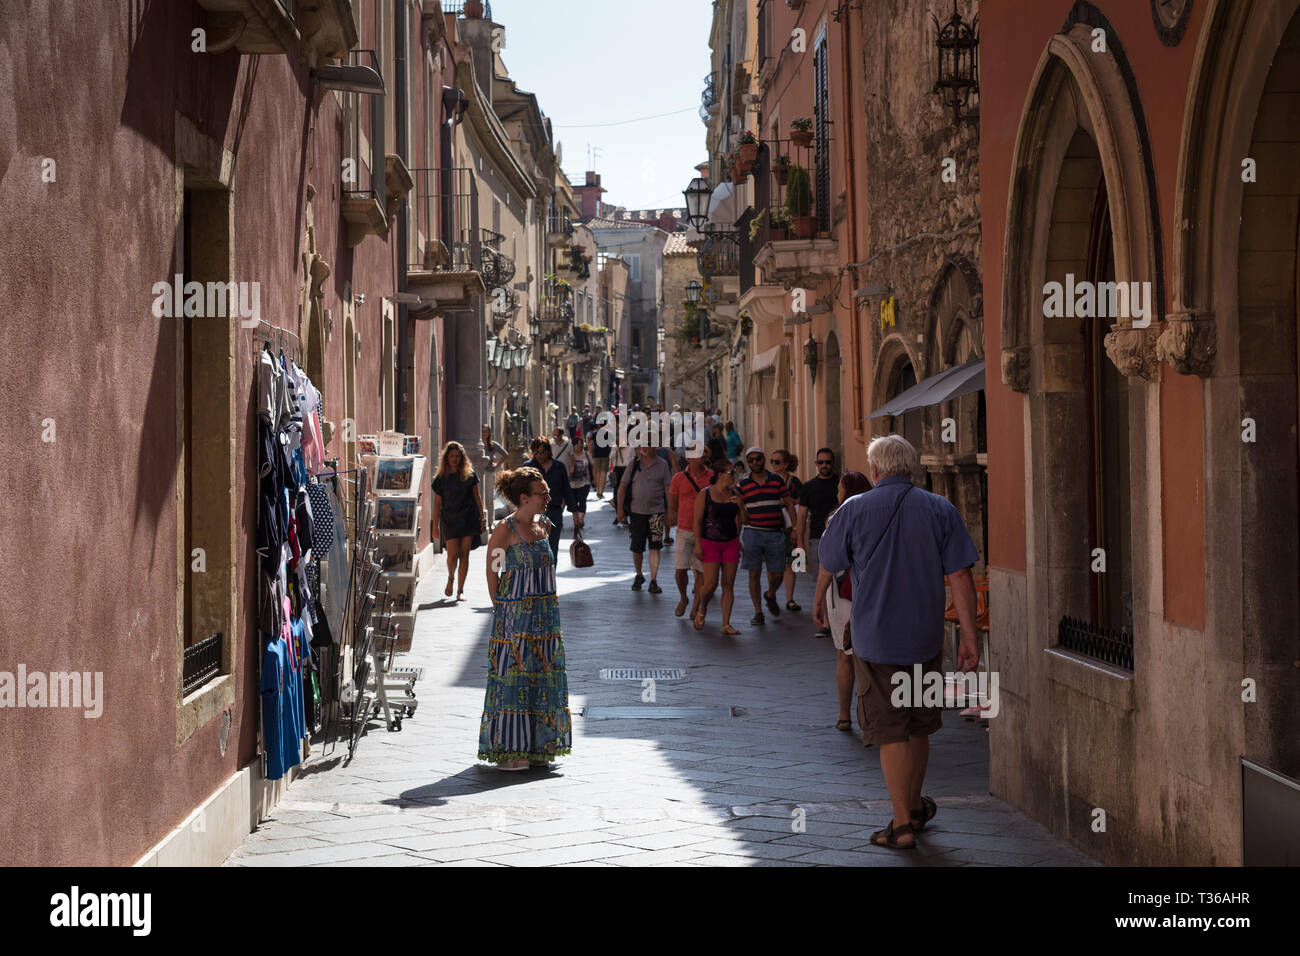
526 709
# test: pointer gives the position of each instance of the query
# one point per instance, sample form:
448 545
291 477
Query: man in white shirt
561 447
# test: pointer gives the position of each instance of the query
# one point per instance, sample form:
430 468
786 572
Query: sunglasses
754 458
778 461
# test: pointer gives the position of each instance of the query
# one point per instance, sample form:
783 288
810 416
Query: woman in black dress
457 513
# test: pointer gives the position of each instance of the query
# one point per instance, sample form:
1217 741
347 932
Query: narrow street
720 785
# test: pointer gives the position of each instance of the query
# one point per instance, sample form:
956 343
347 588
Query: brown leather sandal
923 816
891 834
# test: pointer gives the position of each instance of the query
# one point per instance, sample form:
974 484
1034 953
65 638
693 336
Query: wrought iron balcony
458 8
709 98
788 234
718 255
557 308
559 229
449 250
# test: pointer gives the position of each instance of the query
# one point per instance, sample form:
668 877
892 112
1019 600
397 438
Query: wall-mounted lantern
958 43
810 353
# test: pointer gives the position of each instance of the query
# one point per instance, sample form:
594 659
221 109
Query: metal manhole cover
643 673
656 713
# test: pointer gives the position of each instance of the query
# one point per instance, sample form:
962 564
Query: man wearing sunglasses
762 540
817 499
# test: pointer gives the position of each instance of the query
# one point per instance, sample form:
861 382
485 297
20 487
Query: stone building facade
1153 145
690 374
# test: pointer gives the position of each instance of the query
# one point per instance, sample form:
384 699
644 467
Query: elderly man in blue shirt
898 541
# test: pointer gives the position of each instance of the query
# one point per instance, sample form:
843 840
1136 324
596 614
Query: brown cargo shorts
880 720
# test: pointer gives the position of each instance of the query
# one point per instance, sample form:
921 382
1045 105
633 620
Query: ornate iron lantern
810 355
958 43
697 201
693 290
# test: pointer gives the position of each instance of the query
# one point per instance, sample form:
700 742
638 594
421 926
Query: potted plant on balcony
801 131
780 230
798 203
690 328
747 151
781 169
732 163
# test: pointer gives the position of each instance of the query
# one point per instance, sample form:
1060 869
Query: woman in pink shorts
719 513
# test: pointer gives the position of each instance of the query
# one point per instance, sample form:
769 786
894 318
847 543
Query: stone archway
1075 88
1236 285
897 369
954 454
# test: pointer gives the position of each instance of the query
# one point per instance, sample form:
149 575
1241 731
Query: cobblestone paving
722 786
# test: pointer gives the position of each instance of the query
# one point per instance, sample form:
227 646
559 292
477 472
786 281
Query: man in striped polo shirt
767 501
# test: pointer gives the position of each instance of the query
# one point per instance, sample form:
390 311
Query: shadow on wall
159 40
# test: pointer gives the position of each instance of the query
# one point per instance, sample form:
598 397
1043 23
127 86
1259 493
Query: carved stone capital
1188 343
1015 368
1133 351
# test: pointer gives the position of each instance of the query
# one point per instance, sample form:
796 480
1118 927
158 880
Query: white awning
722 206
765 360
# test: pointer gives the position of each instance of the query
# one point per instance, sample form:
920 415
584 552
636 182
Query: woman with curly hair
457 512
526 718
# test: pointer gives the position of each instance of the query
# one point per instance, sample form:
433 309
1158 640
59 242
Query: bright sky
607 61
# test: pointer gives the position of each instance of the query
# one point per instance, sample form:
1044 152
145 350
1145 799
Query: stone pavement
755 774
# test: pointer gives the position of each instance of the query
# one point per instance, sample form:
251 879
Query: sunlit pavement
754 774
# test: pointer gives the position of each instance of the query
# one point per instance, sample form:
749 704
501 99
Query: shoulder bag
580 551
843 580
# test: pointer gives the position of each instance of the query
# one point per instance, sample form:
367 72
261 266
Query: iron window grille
1109 645
200 663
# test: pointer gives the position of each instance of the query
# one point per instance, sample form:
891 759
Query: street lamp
697 201
693 290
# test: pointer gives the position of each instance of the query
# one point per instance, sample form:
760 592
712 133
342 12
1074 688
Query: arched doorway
955 453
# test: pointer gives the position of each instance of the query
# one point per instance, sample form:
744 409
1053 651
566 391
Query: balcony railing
458 8
718 255
445 210
709 98
559 225
774 206
557 308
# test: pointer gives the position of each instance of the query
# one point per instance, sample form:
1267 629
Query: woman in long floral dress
526 718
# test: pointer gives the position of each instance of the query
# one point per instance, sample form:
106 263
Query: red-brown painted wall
94 587
1012 38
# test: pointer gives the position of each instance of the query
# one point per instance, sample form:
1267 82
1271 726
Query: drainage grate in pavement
642 673
657 713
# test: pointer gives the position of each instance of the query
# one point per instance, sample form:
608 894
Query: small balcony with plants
788 237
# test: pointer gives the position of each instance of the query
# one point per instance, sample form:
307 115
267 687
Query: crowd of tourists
876 547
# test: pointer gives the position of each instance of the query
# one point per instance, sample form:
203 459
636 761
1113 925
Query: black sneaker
772 605
637 582
823 632
655 588
758 619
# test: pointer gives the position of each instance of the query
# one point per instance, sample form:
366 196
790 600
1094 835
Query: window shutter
821 108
